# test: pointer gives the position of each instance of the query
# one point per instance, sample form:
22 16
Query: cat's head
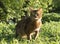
36 14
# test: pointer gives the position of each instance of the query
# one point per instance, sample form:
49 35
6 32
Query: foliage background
11 12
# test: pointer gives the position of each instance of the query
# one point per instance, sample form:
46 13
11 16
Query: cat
30 26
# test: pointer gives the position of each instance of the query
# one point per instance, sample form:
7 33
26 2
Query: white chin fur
36 18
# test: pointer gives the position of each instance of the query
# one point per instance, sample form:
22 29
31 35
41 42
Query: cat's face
36 14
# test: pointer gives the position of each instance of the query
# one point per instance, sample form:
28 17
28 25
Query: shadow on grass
48 18
8 37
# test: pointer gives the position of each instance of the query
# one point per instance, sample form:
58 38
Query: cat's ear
40 11
31 9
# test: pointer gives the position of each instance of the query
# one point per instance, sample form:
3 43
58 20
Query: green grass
49 33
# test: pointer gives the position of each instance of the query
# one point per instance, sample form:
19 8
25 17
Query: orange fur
31 25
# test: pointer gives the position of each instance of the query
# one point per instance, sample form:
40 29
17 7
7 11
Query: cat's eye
36 14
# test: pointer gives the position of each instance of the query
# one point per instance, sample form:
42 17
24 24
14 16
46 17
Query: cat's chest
34 24
37 29
37 23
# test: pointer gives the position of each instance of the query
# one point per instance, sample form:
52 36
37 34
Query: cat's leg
36 34
29 37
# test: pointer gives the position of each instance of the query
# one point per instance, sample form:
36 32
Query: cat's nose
35 15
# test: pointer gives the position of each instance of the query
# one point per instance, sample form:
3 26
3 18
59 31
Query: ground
49 33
